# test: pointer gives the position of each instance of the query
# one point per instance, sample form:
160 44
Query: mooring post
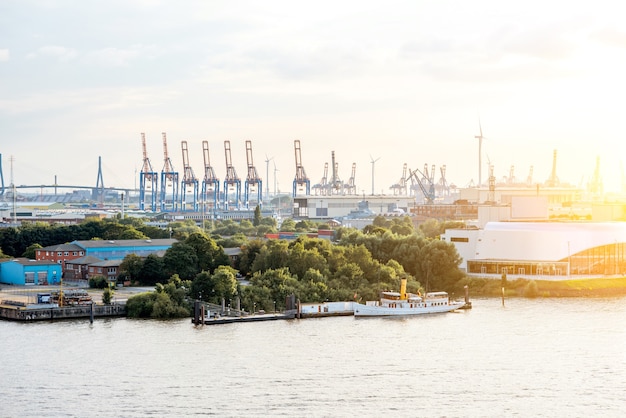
91 313
503 285
196 311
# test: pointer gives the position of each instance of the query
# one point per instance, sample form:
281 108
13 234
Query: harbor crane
231 180
529 179
301 181
400 187
169 181
595 186
210 182
442 185
253 181
189 179
350 186
492 185
553 181
428 190
148 180
336 184
512 179
321 188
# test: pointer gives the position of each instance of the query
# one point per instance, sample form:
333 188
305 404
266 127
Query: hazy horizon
396 82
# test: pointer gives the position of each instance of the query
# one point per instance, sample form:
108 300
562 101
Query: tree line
357 265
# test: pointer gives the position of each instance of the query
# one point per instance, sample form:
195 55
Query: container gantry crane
189 179
210 182
148 180
169 181
301 181
427 190
400 187
253 181
322 187
231 180
336 185
350 186
443 188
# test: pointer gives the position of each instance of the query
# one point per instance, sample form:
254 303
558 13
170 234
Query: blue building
22 271
118 249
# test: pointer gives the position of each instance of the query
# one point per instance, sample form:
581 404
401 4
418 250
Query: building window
29 277
67 253
59 253
459 239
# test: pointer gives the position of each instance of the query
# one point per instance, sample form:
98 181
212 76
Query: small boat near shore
406 304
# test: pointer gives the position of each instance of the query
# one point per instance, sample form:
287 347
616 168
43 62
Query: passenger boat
404 304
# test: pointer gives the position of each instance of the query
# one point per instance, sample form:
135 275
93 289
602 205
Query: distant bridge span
58 186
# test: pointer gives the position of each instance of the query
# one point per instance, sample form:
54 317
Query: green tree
181 259
439 263
213 287
209 254
152 271
257 216
30 251
288 225
130 267
249 252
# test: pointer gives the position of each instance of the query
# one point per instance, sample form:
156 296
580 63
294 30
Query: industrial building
22 271
518 239
81 259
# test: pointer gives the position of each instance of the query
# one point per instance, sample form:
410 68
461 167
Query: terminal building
519 239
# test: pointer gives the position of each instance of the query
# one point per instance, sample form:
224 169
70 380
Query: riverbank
586 287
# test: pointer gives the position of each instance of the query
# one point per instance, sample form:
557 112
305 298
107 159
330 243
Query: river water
542 357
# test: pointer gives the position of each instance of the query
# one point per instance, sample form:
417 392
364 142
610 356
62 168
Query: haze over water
543 357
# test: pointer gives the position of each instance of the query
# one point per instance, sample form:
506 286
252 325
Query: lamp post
274 306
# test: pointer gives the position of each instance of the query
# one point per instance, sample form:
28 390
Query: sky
380 84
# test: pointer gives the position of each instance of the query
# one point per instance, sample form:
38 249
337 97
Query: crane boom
300 180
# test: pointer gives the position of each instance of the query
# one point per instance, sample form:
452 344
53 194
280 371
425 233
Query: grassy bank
544 288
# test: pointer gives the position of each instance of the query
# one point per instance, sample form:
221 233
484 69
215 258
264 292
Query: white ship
405 304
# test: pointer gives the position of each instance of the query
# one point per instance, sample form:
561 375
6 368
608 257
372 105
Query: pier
49 312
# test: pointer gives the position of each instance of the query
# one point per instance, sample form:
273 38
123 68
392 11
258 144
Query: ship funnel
403 288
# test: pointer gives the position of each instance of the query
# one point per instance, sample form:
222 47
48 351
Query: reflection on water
553 357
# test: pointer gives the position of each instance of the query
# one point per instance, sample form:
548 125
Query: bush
107 295
98 282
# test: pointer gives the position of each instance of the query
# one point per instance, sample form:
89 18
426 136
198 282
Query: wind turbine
373 161
267 175
275 170
480 152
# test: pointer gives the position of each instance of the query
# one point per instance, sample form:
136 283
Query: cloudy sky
395 81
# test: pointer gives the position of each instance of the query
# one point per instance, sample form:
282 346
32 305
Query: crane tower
148 180
189 179
336 184
253 181
300 181
400 187
350 186
169 181
210 183
231 180
321 188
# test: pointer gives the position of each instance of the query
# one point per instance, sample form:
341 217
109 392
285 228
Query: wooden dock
217 320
